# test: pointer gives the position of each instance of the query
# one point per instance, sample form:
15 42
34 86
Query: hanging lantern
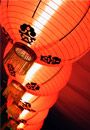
50 86
56 28
31 127
14 111
36 103
35 118
26 100
26 117
19 59
15 89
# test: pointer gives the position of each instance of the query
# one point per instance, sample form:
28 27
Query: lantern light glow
47 13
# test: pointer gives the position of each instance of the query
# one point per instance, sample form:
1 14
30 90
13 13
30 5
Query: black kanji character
27 33
37 88
27 105
32 86
56 60
50 60
46 59
32 32
28 85
11 69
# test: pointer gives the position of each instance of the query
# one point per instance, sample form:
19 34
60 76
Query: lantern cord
36 8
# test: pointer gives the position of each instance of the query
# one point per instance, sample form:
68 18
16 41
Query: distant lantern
37 103
19 59
31 127
15 89
14 111
25 116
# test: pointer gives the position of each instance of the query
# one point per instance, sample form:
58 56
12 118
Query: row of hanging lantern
27 100
47 37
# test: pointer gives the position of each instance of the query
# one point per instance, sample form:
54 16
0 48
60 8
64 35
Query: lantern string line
36 8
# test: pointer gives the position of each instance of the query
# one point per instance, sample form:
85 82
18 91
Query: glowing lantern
14 111
31 127
37 103
57 28
33 118
26 116
15 89
52 85
26 100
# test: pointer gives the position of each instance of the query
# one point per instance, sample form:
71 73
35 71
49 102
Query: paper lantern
26 117
24 100
32 127
32 107
34 119
52 85
21 126
15 89
56 28
14 111
49 86
37 103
